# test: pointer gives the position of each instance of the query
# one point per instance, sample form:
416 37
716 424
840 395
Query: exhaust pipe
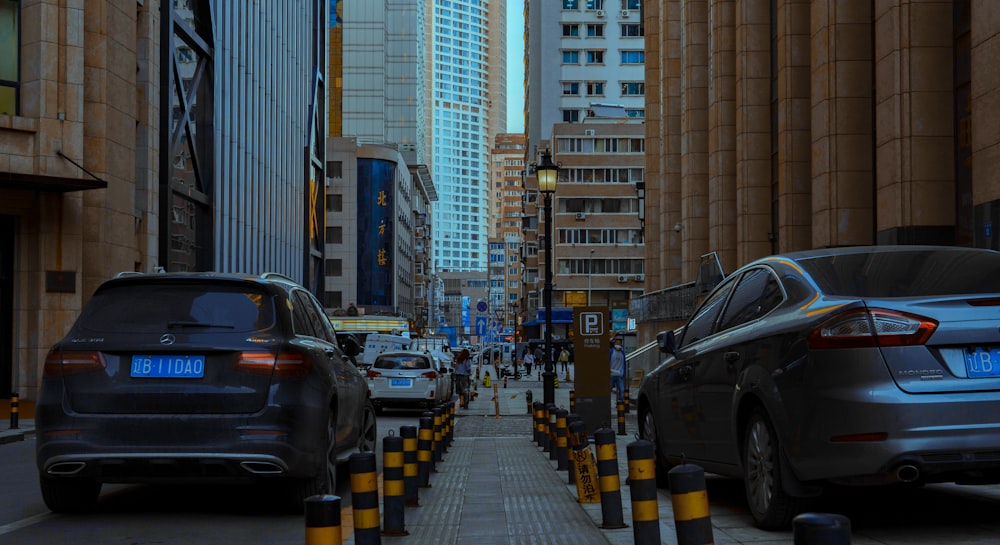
262 468
907 473
66 468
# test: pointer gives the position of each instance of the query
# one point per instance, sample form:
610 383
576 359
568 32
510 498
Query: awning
34 182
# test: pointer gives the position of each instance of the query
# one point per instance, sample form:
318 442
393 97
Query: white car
409 379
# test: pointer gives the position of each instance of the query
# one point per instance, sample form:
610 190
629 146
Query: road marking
24 523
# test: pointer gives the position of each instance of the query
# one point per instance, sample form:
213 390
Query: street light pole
548 174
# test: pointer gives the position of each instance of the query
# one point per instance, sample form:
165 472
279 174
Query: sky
515 66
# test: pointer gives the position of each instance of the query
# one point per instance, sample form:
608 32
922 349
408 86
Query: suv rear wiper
172 325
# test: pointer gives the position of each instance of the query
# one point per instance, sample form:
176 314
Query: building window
571 88
631 4
571 31
571 57
571 4
10 61
334 235
595 88
571 116
633 57
633 89
595 4
635 112
334 267
334 169
333 299
335 202
595 31
632 30
595 56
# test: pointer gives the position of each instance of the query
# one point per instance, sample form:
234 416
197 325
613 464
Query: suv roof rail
277 276
128 273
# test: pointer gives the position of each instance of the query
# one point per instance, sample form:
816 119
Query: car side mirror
667 341
350 345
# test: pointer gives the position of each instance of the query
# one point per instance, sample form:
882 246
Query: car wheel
368 439
324 481
648 432
771 507
70 495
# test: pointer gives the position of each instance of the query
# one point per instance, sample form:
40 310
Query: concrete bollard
14 410
393 487
438 443
562 456
323 520
425 451
411 484
690 501
621 418
607 474
821 529
364 498
642 487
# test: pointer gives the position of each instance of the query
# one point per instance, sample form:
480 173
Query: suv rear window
907 273
402 362
161 307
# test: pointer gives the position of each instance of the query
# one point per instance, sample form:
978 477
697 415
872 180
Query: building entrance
7 224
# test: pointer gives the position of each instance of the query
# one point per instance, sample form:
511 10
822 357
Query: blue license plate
173 366
401 383
983 363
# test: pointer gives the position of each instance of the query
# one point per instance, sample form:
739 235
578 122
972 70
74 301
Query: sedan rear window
402 362
907 273
164 307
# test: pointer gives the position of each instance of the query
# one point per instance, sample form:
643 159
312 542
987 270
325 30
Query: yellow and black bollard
14 410
572 401
584 468
610 484
425 451
530 399
621 418
562 456
571 418
642 487
821 529
505 381
689 498
411 485
364 498
393 487
552 431
544 429
323 520
445 427
537 428
627 398
451 422
438 444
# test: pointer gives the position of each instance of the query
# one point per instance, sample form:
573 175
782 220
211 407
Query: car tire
324 481
70 495
771 507
648 432
368 437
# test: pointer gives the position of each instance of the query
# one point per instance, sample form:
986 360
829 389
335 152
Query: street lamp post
548 173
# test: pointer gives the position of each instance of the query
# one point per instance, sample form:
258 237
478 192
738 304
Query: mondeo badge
167 338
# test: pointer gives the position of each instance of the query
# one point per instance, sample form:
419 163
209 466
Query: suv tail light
61 364
870 328
282 364
429 374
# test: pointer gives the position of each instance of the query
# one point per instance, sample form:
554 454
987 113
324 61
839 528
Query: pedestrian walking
564 359
618 370
528 361
463 369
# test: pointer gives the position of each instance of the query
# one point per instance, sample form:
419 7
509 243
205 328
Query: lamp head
547 173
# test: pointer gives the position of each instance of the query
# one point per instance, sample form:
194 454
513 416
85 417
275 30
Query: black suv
200 377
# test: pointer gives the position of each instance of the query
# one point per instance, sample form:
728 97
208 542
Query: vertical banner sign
591 353
376 180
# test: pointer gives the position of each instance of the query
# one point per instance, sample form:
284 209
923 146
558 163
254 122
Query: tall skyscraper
467 107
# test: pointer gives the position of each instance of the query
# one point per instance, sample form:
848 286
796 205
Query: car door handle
731 357
329 352
685 372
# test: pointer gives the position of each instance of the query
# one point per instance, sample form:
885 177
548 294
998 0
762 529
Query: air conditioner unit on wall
624 13
622 278
640 278
589 132
581 215
600 13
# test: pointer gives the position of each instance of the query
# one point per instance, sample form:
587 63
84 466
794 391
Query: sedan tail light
282 364
373 374
429 374
61 364
870 328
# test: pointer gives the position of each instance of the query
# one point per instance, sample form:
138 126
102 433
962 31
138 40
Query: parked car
409 379
199 377
855 366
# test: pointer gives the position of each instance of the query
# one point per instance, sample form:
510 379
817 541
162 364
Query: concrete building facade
779 125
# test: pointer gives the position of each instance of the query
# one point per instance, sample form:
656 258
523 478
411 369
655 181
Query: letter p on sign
591 323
